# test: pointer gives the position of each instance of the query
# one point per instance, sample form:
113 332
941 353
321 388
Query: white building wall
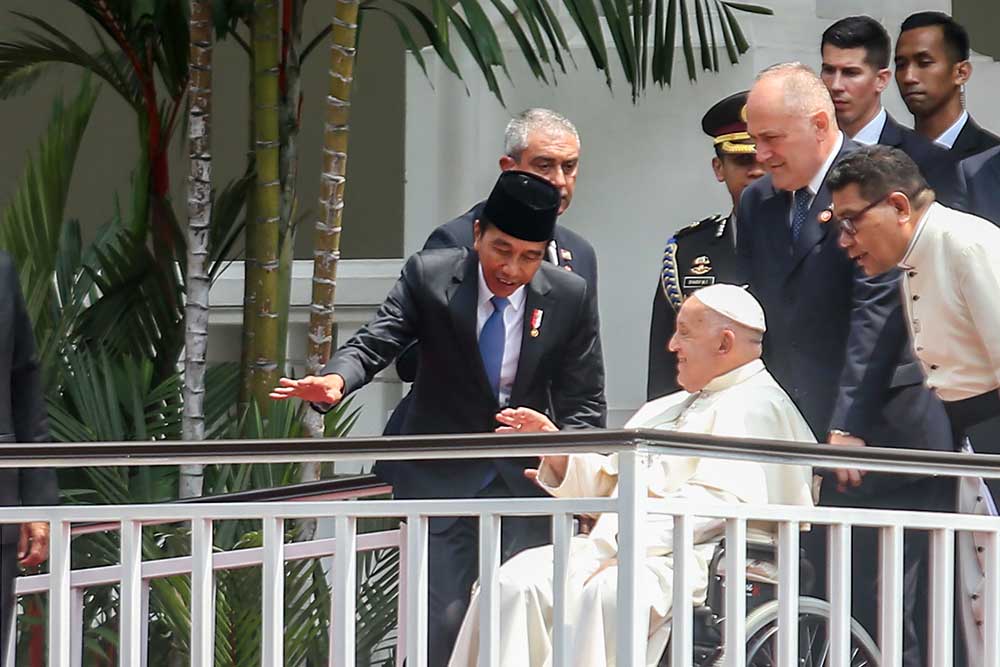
645 168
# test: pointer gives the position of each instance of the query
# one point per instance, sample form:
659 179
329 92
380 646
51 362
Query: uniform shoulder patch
711 222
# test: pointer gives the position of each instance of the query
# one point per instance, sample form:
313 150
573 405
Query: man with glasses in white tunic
728 392
950 260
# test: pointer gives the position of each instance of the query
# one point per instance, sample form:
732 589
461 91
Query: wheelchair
762 617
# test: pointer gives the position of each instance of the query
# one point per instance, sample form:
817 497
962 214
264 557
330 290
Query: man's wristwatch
837 431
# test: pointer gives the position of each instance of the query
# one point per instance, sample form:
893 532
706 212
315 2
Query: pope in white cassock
728 393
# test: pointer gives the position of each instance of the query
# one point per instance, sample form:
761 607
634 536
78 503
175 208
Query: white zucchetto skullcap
735 303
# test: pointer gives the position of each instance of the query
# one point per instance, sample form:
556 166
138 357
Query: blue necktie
800 211
491 343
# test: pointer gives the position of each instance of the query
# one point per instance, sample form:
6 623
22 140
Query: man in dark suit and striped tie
498 327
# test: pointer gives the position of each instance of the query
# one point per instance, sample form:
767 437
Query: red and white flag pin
536 322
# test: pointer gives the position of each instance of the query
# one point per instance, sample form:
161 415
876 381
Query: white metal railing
631 504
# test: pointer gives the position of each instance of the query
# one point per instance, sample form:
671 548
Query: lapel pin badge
536 322
826 215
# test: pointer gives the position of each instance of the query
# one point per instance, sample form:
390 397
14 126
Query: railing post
736 597
60 598
130 629
632 621
942 596
273 603
202 595
890 640
991 623
682 637
76 619
489 590
788 594
344 592
416 580
562 531
840 595
9 655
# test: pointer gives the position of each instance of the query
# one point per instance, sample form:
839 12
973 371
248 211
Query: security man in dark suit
22 419
979 184
855 69
702 253
542 142
498 327
837 340
932 68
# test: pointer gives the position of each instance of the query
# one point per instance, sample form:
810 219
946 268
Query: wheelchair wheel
814 644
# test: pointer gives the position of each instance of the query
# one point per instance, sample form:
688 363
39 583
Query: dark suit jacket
836 340
979 184
22 407
435 301
936 163
574 253
972 140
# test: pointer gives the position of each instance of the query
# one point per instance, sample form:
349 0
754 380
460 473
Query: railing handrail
486 445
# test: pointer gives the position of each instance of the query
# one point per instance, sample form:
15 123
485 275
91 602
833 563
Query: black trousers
928 493
8 570
453 554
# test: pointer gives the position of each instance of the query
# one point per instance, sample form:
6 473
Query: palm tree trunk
199 220
263 249
327 233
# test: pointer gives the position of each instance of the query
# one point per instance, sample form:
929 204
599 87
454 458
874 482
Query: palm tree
643 34
199 221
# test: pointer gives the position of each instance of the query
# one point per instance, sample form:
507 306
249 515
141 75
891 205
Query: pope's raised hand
312 388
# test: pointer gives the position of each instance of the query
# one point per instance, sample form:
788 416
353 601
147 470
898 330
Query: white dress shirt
513 317
950 136
950 285
817 180
870 133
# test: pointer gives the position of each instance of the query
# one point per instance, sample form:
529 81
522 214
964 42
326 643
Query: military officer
703 253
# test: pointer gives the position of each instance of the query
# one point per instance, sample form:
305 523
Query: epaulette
718 220
669 278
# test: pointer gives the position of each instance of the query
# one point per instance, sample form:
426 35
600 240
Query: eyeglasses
849 225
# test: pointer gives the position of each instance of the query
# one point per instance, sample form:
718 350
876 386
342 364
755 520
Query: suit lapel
463 304
812 232
537 298
891 134
776 210
563 255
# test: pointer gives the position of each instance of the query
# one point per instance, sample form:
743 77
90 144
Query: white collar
950 136
911 256
817 181
516 299
871 132
734 377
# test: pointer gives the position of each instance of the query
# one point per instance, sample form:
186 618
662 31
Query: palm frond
33 221
47 45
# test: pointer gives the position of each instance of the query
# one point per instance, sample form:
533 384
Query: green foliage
634 26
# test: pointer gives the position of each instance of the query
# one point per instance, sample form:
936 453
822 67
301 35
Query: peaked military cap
726 123
523 205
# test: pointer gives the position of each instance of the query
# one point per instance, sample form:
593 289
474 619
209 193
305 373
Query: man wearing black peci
498 327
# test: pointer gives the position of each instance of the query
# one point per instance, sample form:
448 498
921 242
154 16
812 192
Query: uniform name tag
695 282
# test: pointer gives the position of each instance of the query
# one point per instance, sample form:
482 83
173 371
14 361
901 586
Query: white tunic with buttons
951 283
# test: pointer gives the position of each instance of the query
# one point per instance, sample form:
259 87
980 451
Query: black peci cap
726 123
523 205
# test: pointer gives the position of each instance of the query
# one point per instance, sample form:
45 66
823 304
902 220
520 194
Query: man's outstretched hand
523 420
312 388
